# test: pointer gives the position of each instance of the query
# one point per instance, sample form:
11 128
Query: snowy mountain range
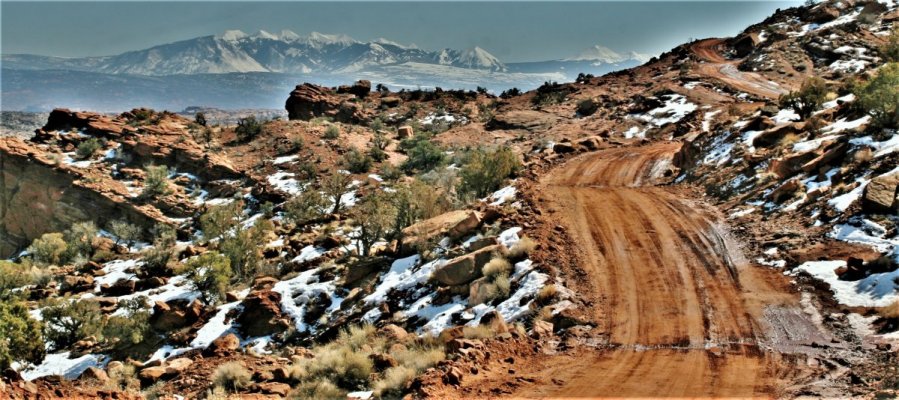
288 57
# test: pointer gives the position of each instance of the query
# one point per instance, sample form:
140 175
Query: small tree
211 275
334 187
244 247
49 249
890 50
375 218
808 99
121 333
156 182
486 170
123 231
87 148
880 96
156 259
248 128
356 161
220 219
21 339
307 206
200 118
70 321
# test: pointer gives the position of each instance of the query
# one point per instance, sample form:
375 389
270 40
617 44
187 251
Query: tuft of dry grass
863 156
891 311
547 294
394 382
495 267
523 248
231 376
317 389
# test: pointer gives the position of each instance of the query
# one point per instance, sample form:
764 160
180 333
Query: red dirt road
716 66
677 299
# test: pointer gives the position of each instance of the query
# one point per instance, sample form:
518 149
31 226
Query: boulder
404 132
383 361
393 332
454 224
223 345
177 366
833 152
746 43
121 287
464 269
774 135
390 101
308 101
275 388
495 321
151 375
360 88
590 143
784 191
261 314
479 291
564 148
175 315
76 284
880 194
822 13
94 374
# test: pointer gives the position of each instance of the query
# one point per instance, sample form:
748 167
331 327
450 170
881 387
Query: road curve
716 66
676 298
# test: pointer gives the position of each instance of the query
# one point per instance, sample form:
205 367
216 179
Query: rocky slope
676 229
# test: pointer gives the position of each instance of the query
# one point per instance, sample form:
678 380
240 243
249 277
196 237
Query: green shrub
156 182
334 187
356 161
248 128
121 333
87 148
232 376
423 156
80 238
880 97
486 171
70 321
332 132
12 277
210 273
808 99
124 232
156 259
374 218
307 206
890 51
244 247
49 249
21 339
376 125
220 219
200 118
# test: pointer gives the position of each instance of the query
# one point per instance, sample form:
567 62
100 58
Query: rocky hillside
723 217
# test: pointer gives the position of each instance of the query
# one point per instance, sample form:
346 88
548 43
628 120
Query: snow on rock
881 149
842 202
876 290
501 196
308 253
871 234
285 159
814 144
216 326
843 125
284 182
853 66
676 107
402 275
61 364
299 291
785 115
836 102
116 270
509 237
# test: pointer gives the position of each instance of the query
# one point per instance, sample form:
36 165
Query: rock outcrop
308 101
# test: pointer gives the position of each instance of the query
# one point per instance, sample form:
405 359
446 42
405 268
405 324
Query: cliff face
37 197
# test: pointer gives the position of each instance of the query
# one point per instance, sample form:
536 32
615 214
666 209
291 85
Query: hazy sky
512 31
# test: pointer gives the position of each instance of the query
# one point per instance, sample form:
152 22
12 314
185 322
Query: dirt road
681 305
716 66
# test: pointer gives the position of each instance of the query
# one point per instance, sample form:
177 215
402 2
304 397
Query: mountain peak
233 34
288 35
316 38
607 55
261 34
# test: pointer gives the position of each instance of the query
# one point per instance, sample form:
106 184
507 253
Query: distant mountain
240 70
236 51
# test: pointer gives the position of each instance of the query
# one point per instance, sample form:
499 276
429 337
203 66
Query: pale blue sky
512 31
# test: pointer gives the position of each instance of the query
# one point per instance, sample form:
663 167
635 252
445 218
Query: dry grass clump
231 376
523 248
497 272
122 378
864 155
890 311
547 294
496 266
346 364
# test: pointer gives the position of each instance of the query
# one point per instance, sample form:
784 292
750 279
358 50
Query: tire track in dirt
668 288
716 66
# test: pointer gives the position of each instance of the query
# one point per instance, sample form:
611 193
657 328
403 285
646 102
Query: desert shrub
522 248
217 220
420 356
377 154
374 218
417 200
48 249
210 273
87 148
21 339
880 96
67 322
890 50
156 259
12 277
244 247
394 382
332 132
317 389
486 171
79 239
496 266
356 161
247 128
376 125
808 99
342 365
122 332
124 232
423 156
334 187
232 376
306 206
156 182
122 378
